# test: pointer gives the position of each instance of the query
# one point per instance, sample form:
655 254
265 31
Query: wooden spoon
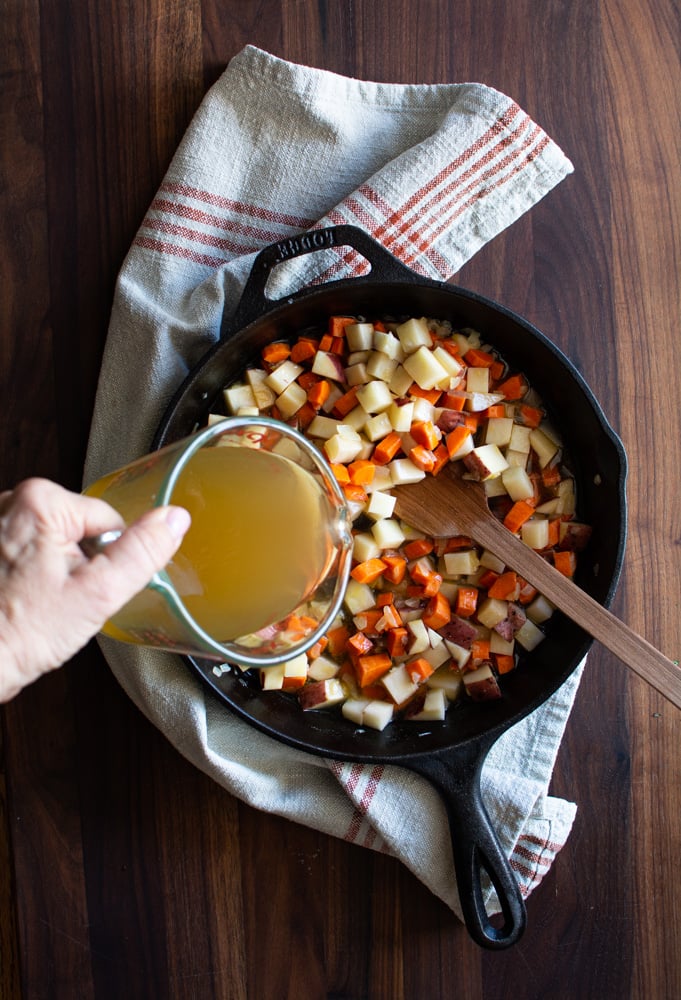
447 505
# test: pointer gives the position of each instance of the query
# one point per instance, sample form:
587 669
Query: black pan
449 754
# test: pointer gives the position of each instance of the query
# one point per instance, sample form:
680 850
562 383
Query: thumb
126 566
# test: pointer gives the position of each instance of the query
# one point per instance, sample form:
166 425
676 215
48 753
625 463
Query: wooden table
123 871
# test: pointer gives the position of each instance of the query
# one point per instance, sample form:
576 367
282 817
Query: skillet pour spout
450 754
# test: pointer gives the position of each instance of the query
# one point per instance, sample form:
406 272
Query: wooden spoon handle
638 654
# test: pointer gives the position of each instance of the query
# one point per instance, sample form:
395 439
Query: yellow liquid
260 542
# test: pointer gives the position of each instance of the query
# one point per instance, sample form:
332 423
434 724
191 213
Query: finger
127 565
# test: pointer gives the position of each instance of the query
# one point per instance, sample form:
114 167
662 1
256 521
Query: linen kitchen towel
433 173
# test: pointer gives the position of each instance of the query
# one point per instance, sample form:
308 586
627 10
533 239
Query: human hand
53 599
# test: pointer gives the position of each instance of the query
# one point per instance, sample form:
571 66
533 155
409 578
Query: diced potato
452 366
419 640
358 597
343 449
414 334
520 439
490 561
322 427
290 400
478 401
272 678
481 684
461 563
447 680
400 382
543 446
403 471
401 417
388 533
399 684
353 709
378 426
529 636
356 419
380 366
477 380
321 694
485 462
387 343
540 609
497 644
357 374
535 533
375 397
282 376
517 483
238 396
498 431
436 655
364 547
425 369
434 708
458 653
322 668
359 336
377 714
381 505
257 379
492 611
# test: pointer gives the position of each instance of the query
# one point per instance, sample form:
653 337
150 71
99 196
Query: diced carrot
496 410
418 547
422 458
396 640
554 531
513 387
345 403
387 448
361 472
425 433
456 438
480 649
520 512
550 476
341 473
431 586
438 611
374 692
272 354
471 421
497 370
368 571
505 588
387 597
450 346
431 395
441 456
530 416
318 394
488 578
318 648
366 621
305 415
527 591
466 601
354 493
453 401
475 358
300 624
338 638
293 683
504 662
304 349
358 645
390 619
456 542
380 326
325 343
565 562
338 345
396 568
371 667
419 669
420 569
337 325
307 379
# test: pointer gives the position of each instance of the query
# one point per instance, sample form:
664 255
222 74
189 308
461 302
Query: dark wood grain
123 870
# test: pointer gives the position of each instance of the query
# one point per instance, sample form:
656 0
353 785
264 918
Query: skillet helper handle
476 848
254 301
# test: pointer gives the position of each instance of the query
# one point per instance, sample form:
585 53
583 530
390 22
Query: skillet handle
254 302
475 845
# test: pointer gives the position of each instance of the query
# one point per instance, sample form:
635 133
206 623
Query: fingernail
178 521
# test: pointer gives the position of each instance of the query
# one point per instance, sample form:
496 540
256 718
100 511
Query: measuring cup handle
96 544
254 302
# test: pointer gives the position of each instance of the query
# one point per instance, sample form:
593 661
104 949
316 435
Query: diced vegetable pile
425 622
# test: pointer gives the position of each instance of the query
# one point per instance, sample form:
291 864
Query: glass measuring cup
261 573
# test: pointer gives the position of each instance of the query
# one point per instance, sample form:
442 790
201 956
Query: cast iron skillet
450 754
